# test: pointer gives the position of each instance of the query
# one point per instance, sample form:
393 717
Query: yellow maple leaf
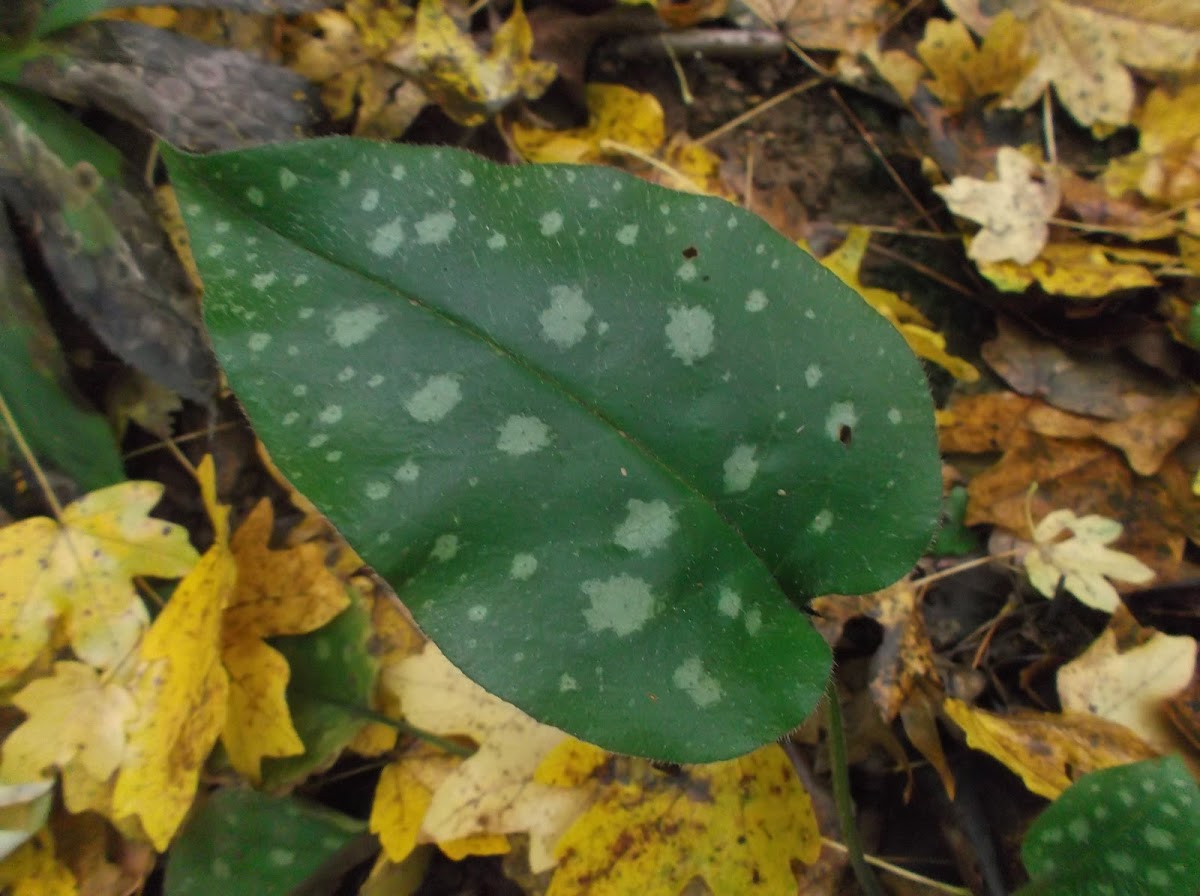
180 688
1076 269
1166 165
34 870
1048 750
76 723
77 575
283 592
469 86
846 261
738 825
1083 562
617 115
476 800
1083 48
1129 686
963 73
1014 209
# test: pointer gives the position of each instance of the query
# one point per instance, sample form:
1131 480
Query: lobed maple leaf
283 592
77 575
1083 562
180 688
1014 209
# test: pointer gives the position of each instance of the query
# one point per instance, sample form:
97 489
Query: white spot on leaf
466 178
813 375
435 228
434 400
399 172
388 238
646 527
691 678
343 178
689 333
841 413
740 468
497 241
255 196
377 491
729 603
258 341
445 547
263 280
523 566
627 235
352 327
894 415
687 272
346 374
756 301
821 522
564 322
622 604
753 621
551 223
370 200
521 434
330 414
409 471
287 178
567 683
318 440
477 613
375 381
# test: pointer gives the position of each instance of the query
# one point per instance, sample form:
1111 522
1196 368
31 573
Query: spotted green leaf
598 434
243 842
1133 830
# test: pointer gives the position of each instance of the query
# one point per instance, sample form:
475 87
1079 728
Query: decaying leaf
616 115
1074 268
963 73
1166 165
737 825
1014 209
180 688
1130 685
1048 750
918 332
76 723
852 26
1083 48
279 592
470 86
491 793
1083 563
34 870
24 809
76 577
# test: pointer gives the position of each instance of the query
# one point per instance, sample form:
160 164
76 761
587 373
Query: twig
900 872
762 107
27 453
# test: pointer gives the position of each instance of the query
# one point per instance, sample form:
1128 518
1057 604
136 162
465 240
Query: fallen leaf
279 592
79 575
180 688
1166 165
1083 563
737 825
1048 750
851 26
1014 209
846 262
617 115
469 86
76 722
1130 686
1074 269
34 870
24 809
490 793
963 73
1083 48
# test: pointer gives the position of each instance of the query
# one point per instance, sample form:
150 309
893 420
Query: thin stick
842 798
874 147
920 268
178 440
685 92
633 152
962 567
27 453
739 120
900 872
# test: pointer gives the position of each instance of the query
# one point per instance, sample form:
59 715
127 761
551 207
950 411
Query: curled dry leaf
1014 209
1083 562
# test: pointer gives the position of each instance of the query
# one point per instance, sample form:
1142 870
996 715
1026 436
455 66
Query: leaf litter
123 707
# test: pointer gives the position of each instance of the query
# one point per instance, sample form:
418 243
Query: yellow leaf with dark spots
180 688
76 578
737 825
279 592
34 870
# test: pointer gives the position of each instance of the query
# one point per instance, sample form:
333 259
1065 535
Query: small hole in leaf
691 252
845 435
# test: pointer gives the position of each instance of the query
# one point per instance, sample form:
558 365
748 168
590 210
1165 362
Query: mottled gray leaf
196 96
102 243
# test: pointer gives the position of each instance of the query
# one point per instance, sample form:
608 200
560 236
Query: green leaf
245 842
61 13
596 433
1133 829
330 689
